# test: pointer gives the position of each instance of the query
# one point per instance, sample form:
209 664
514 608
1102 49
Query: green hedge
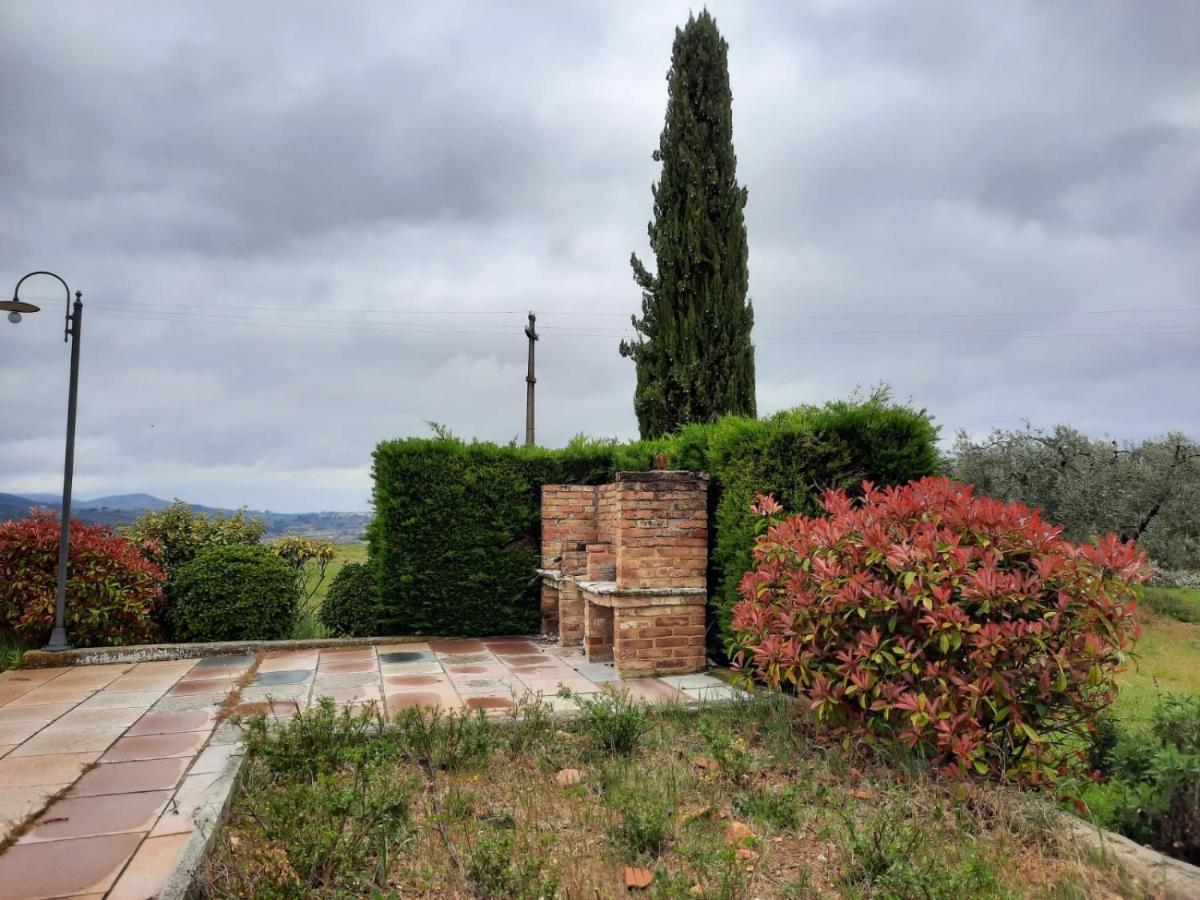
456 530
233 593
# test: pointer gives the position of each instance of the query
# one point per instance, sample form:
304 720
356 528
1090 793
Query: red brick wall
608 512
601 562
660 639
568 525
662 534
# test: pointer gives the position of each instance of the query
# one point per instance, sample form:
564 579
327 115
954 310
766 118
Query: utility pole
530 381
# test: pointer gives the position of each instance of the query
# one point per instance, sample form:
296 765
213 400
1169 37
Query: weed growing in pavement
611 721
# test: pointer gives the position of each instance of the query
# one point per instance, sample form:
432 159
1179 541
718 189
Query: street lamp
72 327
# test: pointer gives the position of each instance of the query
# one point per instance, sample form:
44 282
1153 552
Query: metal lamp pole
71 329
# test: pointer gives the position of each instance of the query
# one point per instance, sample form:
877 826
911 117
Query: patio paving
126 753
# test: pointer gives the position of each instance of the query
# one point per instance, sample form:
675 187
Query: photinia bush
114 594
963 626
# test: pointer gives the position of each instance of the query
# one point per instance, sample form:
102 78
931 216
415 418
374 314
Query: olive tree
1148 491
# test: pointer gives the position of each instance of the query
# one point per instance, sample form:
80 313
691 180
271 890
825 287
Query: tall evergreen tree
694 358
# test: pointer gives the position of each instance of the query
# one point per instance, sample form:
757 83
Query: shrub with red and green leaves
965 627
114 594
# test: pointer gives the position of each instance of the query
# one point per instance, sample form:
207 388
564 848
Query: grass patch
1182 604
1166 660
12 652
733 802
308 623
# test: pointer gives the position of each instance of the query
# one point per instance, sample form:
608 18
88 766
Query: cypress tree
694 357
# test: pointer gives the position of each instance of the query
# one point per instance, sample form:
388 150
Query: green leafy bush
115 595
961 626
176 534
456 530
233 593
349 606
1152 794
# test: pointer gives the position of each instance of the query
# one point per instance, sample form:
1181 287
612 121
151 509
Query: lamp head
16 307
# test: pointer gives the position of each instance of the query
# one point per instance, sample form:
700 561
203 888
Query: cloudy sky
303 227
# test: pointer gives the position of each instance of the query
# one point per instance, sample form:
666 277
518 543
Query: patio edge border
91 656
181 883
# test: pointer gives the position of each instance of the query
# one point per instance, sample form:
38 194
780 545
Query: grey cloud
192 164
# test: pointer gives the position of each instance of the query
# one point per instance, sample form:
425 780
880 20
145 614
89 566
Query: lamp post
71 329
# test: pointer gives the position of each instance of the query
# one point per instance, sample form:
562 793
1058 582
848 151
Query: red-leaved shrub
965 627
114 594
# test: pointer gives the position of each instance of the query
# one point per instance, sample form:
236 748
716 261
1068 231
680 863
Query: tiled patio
131 749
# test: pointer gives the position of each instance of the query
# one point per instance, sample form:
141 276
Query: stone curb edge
92 656
181 883
1166 877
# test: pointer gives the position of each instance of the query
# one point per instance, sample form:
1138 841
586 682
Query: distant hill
14 507
121 509
132 502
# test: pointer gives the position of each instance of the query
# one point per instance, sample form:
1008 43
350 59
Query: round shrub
233 593
114 594
962 626
349 605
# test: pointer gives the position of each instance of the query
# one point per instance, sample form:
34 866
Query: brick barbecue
624 570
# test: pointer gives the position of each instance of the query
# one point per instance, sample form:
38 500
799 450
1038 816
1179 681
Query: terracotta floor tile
13 691
464 645
155 746
173 722
348 653
209 675
431 667
128 778
48 693
99 718
650 690
113 669
165 665
270 708
203 686
381 649
180 814
43 712
234 661
54 739
52 768
32 676
63 868
415 681
354 679
349 667
142 683
19 803
91 676
213 759
107 699
151 866
21 731
346 694
86 816
285 663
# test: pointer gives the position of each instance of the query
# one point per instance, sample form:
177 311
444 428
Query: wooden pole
530 381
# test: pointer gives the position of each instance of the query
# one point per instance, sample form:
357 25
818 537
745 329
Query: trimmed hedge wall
456 530
455 538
